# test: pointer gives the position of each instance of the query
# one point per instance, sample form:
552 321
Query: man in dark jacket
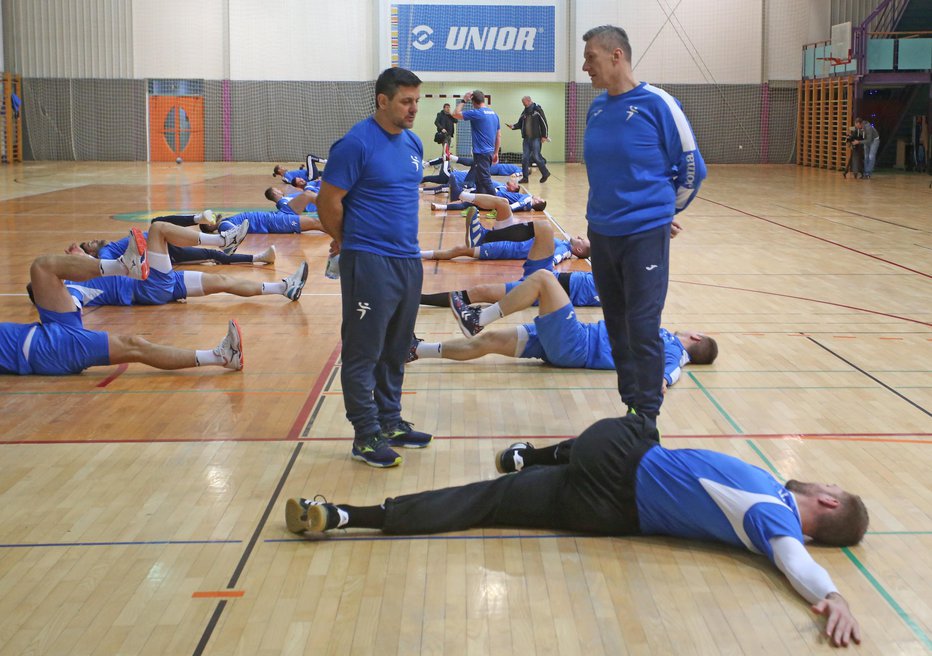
445 124
533 126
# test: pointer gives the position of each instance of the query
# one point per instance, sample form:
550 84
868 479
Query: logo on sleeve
416 162
632 110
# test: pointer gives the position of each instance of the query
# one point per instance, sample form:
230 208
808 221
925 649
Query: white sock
427 255
467 196
205 358
489 314
510 221
112 268
454 158
429 350
273 287
209 240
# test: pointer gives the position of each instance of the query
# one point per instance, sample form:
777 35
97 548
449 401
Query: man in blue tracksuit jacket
644 167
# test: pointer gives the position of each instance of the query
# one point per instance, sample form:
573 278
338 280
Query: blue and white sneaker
233 237
475 231
294 283
467 316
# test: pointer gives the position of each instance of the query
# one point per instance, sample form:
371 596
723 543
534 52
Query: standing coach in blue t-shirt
486 138
368 203
643 167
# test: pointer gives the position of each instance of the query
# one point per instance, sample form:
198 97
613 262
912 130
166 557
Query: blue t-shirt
12 338
706 495
485 126
114 249
674 356
519 202
642 161
504 169
289 176
381 173
262 223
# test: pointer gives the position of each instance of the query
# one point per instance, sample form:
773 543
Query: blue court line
857 563
718 406
115 544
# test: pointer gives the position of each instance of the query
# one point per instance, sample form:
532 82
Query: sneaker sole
142 248
299 520
410 445
378 465
294 296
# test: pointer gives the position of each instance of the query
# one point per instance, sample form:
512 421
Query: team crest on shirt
632 110
416 162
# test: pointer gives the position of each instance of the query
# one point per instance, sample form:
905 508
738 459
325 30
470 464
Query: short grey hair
610 36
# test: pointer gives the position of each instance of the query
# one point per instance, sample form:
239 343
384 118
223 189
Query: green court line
857 563
890 600
717 405
766 461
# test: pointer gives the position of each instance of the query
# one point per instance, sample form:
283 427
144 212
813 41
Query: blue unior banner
466 38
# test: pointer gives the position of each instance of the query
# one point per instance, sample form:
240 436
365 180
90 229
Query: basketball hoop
836 61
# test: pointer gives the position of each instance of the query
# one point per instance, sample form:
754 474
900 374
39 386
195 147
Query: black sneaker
311 515
467 316
523 181
511 459
404 435
412 352
543 178
375 451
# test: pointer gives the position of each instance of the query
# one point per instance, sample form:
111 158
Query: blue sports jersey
504 169
57 345
289 176
692 493
642 161
114 249
381 173
262 223
674 356
160 288
485 126
519 250
583 292
519 202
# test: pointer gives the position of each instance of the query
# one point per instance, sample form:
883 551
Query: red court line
803 298
219 594
857 437
315 392
809 234
112 377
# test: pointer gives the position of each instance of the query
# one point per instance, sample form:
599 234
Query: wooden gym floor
142 511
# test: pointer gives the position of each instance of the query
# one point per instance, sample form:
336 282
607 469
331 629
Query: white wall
706 40
790 25
703 41
178 38
287 40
